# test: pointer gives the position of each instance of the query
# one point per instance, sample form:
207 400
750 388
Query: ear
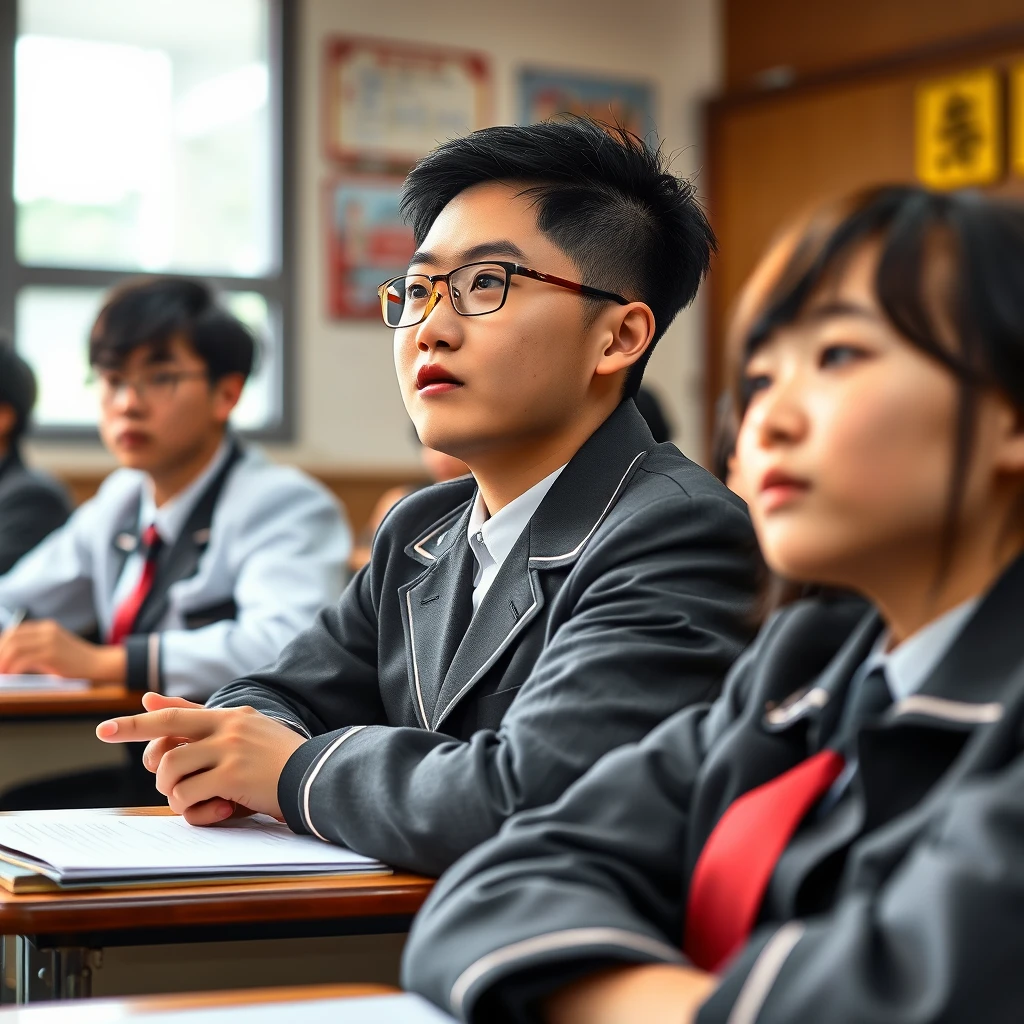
226 393
8 419
626 335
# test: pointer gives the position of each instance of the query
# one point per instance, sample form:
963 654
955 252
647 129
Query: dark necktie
736 864
128 610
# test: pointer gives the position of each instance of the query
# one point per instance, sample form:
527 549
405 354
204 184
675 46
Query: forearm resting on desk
48 647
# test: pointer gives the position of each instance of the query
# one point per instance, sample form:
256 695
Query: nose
442 326
778 416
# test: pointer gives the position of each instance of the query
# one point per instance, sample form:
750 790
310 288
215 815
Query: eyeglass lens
473 290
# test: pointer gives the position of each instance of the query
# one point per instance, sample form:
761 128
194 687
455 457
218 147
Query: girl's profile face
845 452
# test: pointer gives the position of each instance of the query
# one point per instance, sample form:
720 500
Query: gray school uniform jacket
903 904
262 550
32 505
627 597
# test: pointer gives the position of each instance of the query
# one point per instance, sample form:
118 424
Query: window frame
276 287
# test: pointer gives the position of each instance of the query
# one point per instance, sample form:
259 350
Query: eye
755 382
415 291
840 355
161 380
487 281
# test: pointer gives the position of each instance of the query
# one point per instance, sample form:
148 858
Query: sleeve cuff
143 658
289 786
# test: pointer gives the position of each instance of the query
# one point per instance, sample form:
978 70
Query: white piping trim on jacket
415 666
423 540
153 663
519 625
782 714
316 771
290 722
764 972
600 519
952 710
556 940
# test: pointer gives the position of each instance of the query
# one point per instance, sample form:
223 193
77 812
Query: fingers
188 723
156 749
158 701
211 812
204 785
181 762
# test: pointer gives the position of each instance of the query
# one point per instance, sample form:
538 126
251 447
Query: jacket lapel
181 560
577 504
437 609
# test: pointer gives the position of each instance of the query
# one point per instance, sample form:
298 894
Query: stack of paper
407 1009
81 847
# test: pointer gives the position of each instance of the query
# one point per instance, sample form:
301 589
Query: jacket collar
450 648
969 686
11 459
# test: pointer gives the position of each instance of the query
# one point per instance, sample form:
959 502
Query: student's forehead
480 214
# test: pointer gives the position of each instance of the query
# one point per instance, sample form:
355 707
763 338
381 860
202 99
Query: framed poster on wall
545 94
367 243
393 103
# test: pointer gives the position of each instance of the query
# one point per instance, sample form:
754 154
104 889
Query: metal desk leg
64 972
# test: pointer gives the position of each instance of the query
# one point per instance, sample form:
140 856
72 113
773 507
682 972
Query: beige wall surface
348 410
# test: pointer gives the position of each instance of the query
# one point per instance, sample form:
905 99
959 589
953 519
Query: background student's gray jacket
249 571
32 505
626 598
902 904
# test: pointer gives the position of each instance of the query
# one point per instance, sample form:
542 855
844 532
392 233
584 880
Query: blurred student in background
32 504
840 837
198 559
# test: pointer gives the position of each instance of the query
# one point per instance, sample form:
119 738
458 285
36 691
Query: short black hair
155 310
17 388
603 196
983 238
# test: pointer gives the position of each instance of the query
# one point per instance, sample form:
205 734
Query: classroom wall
348 410
807 37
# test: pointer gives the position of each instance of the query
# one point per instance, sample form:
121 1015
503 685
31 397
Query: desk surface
97 1010
98 702
109 911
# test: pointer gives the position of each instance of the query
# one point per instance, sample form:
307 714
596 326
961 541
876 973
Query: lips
433 379
132 438
779 488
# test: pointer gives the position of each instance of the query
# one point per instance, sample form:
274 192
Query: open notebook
398 1009
84 847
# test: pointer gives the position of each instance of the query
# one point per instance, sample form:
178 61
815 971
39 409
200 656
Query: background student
198 560
513 625
32 504
840 837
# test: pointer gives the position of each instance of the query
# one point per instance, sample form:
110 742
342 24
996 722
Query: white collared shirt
169 519
905 667
491 538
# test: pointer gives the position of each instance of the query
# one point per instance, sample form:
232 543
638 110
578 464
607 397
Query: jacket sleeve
938 940
54 580
288 561
656 620
326 674
27 515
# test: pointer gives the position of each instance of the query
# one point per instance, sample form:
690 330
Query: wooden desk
100 1011
59 933
43 732
97 702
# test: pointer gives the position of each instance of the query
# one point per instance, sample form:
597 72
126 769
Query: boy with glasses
198 560
513 625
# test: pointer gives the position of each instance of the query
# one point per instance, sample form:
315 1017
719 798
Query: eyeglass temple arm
583 289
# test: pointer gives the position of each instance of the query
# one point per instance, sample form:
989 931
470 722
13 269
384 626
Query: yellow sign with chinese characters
959 130
1017 119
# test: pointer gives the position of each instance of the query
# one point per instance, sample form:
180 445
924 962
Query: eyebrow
838 308
498 247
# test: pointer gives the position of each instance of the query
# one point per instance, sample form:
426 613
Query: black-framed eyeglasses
474 289
154 385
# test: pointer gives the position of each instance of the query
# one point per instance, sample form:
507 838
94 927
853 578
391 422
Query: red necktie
734 868
128 611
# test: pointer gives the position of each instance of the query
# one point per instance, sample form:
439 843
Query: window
147 139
